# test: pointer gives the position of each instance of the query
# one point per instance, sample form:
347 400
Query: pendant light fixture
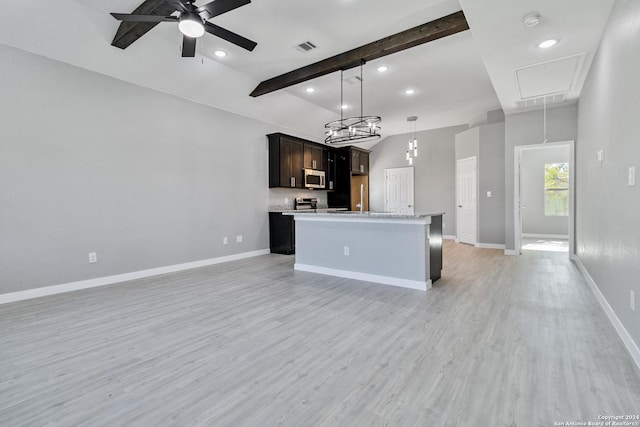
412 152
352 129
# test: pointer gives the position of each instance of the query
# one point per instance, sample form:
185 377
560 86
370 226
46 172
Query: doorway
466 190
544 194
398 190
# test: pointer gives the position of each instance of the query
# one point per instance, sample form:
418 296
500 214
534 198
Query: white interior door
398 193
466 225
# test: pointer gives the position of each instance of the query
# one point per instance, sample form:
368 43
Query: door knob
459 206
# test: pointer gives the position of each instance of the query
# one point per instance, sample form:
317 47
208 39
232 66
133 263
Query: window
556 189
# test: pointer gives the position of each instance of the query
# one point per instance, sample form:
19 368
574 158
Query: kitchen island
393 249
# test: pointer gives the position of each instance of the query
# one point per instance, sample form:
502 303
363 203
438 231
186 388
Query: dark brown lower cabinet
282 233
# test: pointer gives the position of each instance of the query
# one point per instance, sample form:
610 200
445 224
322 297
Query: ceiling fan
192 21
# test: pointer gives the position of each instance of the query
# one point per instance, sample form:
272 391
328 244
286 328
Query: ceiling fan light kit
192 22
191 25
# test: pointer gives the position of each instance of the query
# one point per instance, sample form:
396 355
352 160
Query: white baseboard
490 245
631 345
118 278
386 280
511 252
546 236
449 237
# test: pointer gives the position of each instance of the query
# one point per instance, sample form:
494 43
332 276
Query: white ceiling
454 78
506 45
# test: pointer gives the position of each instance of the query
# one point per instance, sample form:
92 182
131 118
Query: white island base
398 250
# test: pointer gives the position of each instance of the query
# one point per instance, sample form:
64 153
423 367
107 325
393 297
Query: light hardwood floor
498 341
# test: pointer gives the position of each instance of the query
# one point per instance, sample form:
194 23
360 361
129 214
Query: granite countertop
292 211
357 214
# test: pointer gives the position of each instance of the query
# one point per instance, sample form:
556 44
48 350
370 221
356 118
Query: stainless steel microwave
314 178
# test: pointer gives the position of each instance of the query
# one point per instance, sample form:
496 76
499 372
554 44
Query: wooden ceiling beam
442 27
129 32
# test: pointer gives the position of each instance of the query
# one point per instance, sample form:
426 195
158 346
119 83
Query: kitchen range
282 236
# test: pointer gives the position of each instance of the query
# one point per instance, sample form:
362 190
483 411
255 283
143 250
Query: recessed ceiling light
310 90
409 91
220 53
344 106
547 43
382 68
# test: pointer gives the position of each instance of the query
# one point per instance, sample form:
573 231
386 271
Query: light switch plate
239 238
632 175
599 156
488 193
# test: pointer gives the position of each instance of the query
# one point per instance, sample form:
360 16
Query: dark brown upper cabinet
286 164
313 157
332 169
359 160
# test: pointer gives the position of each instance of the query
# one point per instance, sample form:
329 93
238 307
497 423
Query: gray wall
525 129
491 178
534 221
607 209
468 143
91 163
434 173
486 143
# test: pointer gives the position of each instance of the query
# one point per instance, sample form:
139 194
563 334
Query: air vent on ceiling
540 101
306 46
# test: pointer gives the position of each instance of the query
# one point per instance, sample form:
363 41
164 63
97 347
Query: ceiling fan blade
229 36
143 18
178 5
188 47
218 7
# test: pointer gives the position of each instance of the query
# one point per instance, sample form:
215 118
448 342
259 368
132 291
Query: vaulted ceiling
494 65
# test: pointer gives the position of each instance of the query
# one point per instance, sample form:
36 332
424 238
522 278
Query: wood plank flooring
498 341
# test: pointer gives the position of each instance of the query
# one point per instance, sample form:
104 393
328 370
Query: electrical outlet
239 238
632 300
346 251
93 257
599 156
225 240
632 175
286 200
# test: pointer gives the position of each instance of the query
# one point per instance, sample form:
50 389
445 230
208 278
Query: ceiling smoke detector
531 19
